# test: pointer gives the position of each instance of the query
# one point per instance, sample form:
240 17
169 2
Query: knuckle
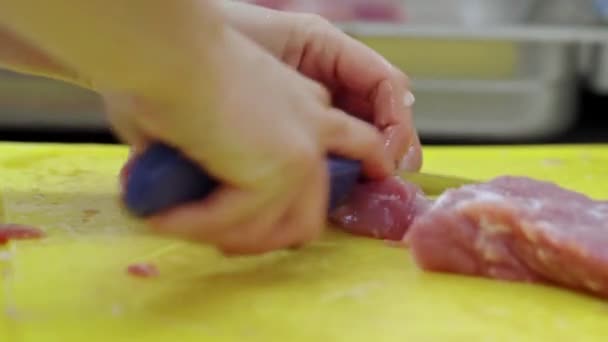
314 22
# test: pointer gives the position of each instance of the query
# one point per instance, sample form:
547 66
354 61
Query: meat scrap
510 228
143 270
383 210
9 231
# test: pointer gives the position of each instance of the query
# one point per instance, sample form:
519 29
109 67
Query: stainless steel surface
468 12
565 12
527 32
32 102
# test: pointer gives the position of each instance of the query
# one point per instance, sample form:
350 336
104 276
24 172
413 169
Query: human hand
20 56
360 80
276 183
267 141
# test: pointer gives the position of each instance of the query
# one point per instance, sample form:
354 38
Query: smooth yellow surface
73 286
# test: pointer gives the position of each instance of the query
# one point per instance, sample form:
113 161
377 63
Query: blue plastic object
162 178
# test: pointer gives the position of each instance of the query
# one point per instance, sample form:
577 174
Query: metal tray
519 52
499 83
493 110
35 102
468 12
492 59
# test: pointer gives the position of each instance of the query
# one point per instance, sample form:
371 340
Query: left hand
361 81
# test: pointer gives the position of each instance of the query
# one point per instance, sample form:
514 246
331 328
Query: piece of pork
516 229
382 210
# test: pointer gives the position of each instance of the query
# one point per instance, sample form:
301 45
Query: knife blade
162 178
435 184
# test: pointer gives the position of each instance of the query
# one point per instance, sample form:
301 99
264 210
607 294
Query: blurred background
483 71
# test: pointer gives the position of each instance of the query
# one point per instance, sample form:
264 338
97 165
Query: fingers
225 209
352 138
306 219
237 222
302 222
393 102
251 234
366 85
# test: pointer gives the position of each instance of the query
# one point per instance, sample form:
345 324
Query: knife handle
162 178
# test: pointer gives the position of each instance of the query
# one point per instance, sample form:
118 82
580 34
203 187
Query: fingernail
411 160
409 99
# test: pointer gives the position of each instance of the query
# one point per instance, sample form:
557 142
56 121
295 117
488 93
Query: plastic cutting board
73 286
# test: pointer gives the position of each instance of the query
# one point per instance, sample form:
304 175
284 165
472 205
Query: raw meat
516 229
383 210
10 232
143 270
510 228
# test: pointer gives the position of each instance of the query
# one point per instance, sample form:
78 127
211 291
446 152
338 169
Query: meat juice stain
11 231
143 270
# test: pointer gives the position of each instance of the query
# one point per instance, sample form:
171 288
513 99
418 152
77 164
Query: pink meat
9 231
516 229
143 270
383 210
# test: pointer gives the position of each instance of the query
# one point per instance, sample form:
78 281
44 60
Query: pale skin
287 82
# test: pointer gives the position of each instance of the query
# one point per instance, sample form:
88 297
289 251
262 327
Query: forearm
137 45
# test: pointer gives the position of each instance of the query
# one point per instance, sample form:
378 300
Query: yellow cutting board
73 285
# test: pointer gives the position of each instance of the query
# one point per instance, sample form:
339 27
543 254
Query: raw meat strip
10 232
516 229
383 210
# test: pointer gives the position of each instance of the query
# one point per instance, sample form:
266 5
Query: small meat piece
9 231
382 210
143 270
516 229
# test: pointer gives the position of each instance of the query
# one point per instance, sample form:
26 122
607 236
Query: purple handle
162 178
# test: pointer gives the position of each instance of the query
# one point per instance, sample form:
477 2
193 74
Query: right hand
267 139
